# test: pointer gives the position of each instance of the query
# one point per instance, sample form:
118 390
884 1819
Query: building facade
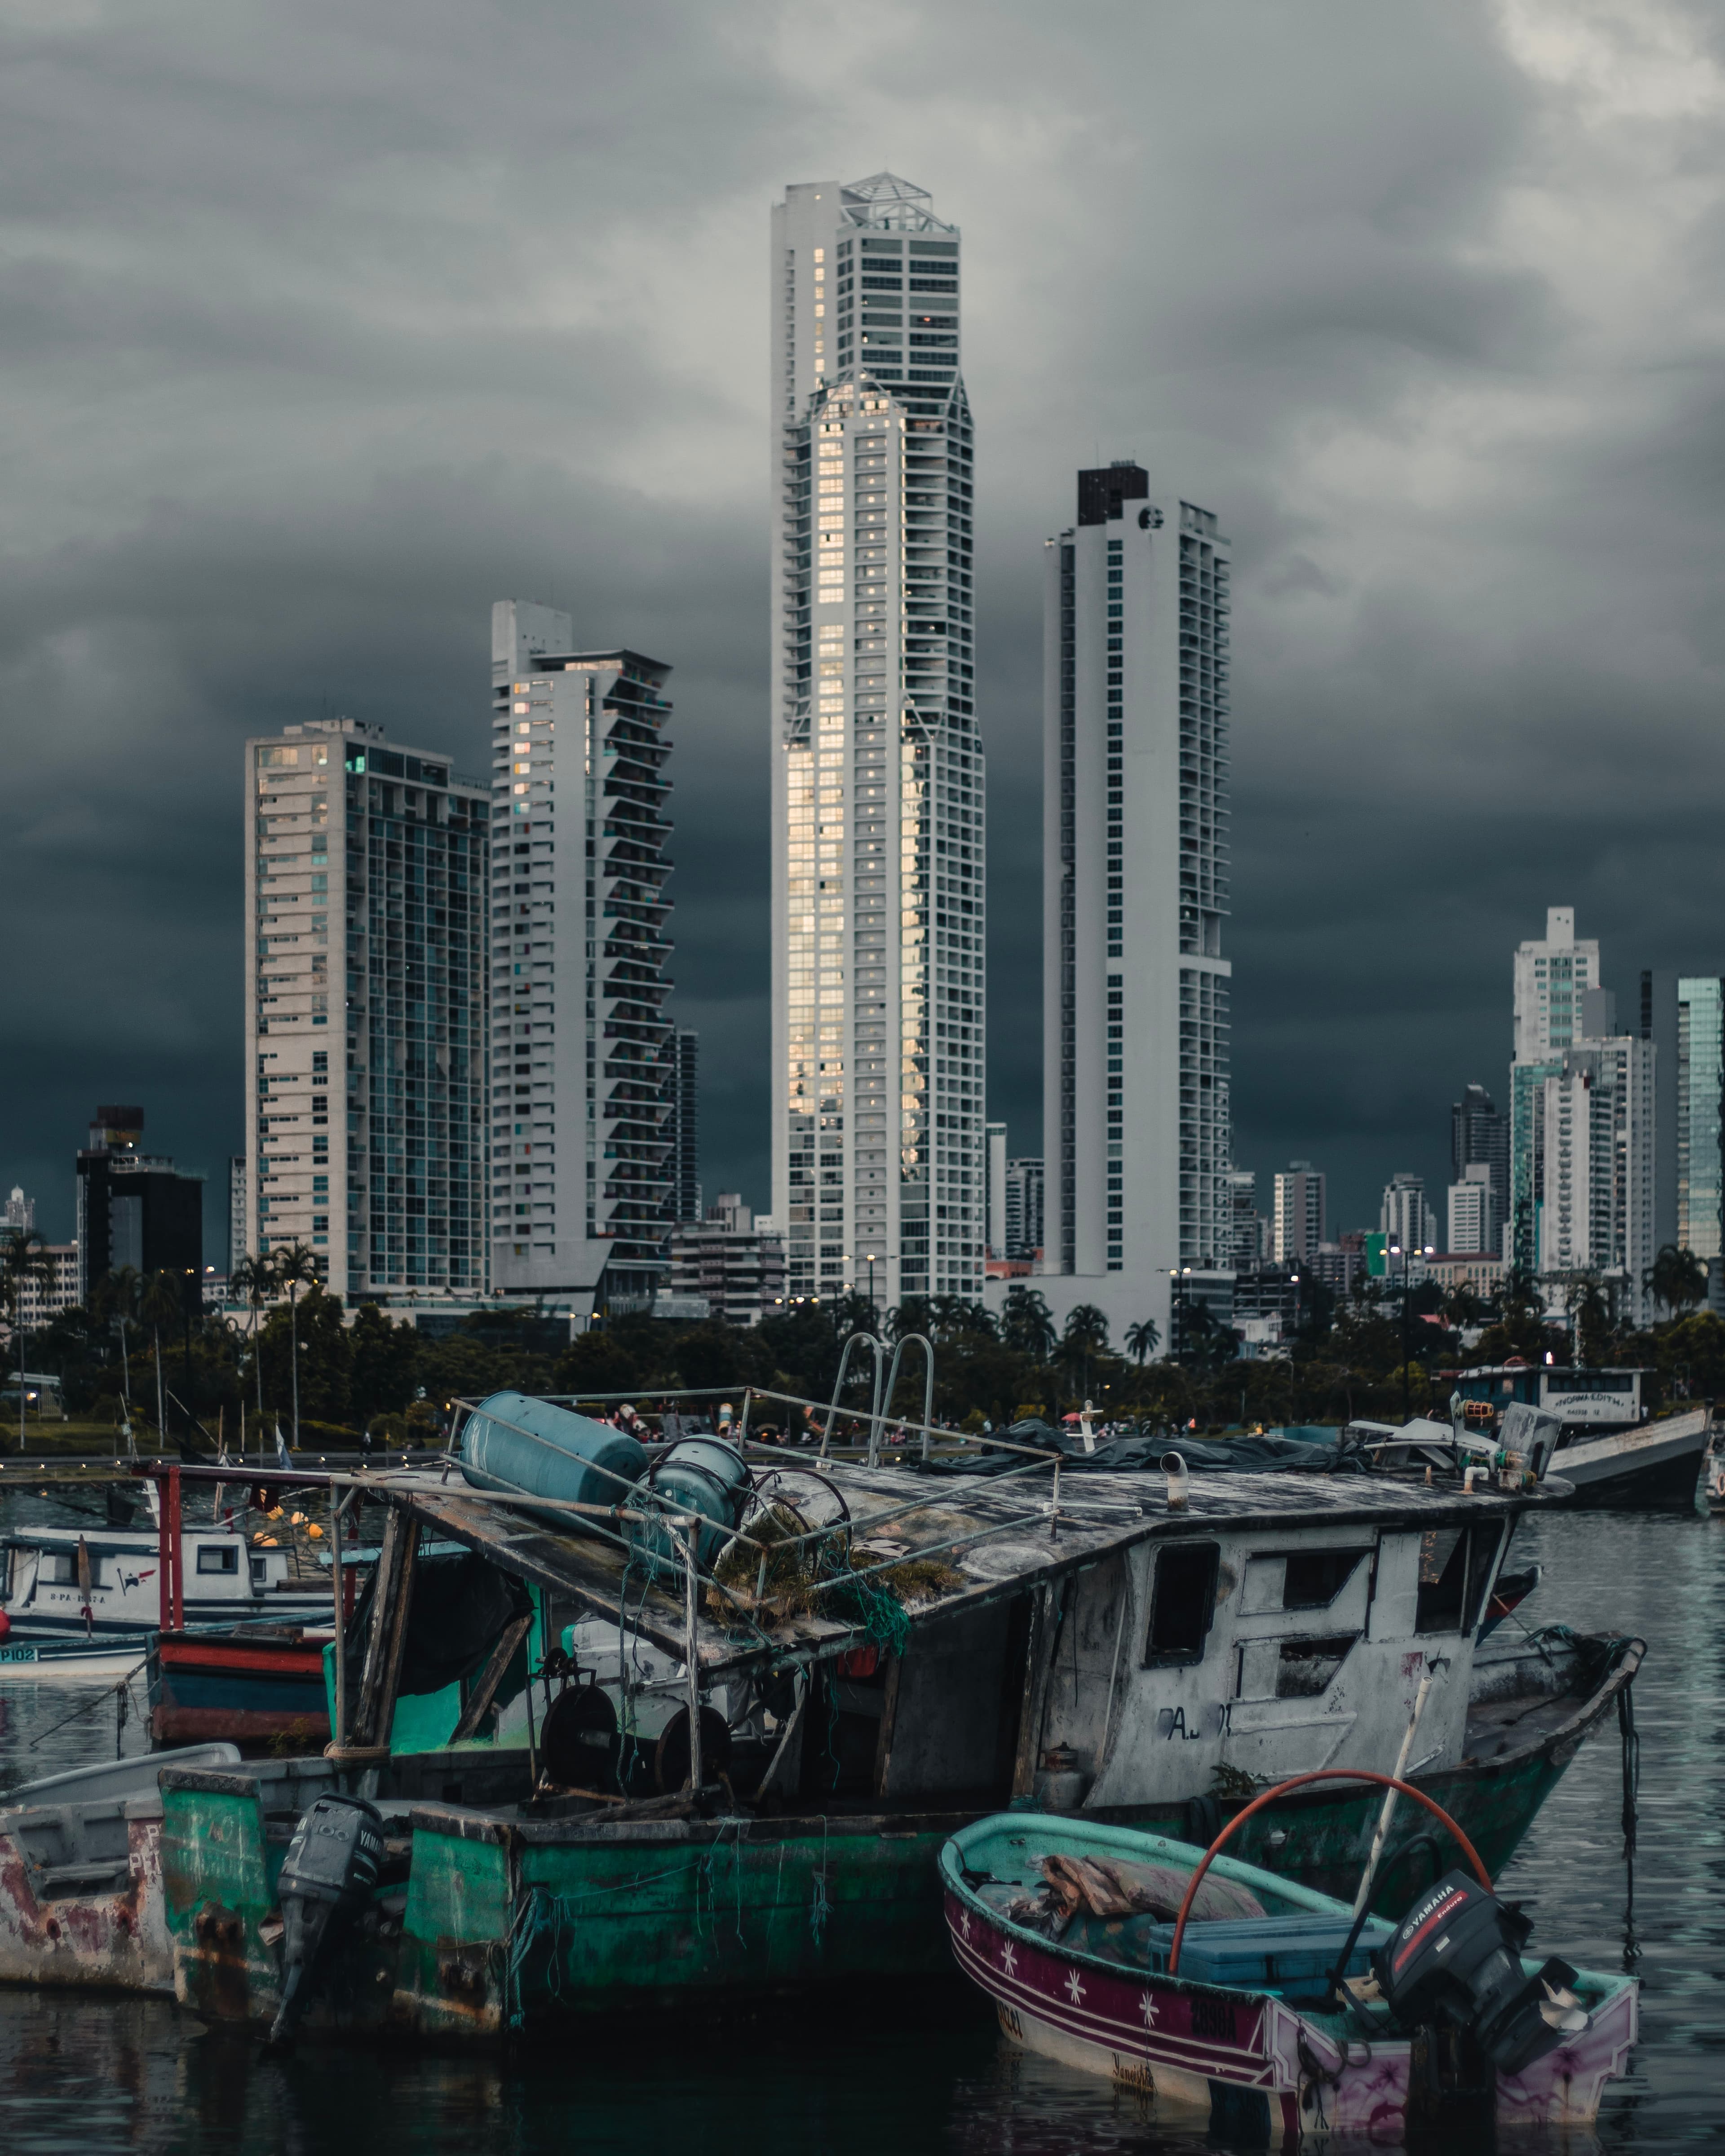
366 865
685 1127
994 1189
1479 1136
1405 1217
1023 1207
43 1296
1700 1114
1593 1142
731 1262
1298 1225
583 1056
878 914
1473 1212
135 1209
1549 978
1136 866
20 1211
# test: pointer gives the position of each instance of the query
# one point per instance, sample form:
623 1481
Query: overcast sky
321 326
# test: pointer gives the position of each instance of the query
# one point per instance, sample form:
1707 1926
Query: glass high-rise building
878 992
366 865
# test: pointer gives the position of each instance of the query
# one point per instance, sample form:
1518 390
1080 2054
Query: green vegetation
379 1375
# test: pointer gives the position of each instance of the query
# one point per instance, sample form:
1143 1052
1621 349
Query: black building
135 1209
1478 1134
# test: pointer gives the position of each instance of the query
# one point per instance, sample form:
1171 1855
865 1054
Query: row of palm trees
265 1278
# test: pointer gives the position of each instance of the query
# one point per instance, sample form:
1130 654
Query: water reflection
100 2075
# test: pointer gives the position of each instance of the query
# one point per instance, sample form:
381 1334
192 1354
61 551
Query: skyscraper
1700 1113
135 1208
1137 1132
1405 1217
1550 977
1479 1137
1298 1220
877 769
994 1190
584 1058
1023 1207
365 1138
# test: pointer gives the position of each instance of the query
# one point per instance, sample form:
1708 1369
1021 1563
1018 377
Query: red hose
1297 1781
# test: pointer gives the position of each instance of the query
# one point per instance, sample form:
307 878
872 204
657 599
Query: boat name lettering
1214 2018
1208 1721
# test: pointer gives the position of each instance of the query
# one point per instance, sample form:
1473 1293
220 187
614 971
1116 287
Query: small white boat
60 1583
69 1662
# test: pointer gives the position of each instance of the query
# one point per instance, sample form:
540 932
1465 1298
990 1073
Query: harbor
667 1727
945 2078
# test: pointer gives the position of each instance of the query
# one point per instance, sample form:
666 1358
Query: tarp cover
461 1606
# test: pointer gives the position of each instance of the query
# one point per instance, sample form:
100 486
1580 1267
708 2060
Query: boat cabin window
219 1560
1183 1602
1315 1577
1454 1565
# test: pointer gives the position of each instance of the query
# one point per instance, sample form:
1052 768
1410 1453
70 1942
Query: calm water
80 2076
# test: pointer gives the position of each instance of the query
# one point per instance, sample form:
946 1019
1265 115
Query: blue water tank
701 1476
511 1442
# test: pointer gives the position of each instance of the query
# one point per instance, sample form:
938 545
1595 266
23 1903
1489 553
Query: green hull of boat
507 1925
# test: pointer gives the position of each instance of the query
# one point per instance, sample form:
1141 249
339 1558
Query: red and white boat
1237 2019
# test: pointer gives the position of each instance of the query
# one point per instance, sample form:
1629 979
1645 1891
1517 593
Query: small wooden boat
1234 2017
249 1683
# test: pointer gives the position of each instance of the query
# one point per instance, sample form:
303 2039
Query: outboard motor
1455 1963
331 1866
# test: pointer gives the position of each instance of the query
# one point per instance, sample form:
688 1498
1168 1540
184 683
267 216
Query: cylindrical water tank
511 1442
701 1476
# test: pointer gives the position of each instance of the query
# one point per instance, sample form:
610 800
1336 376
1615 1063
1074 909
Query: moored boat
1231 2015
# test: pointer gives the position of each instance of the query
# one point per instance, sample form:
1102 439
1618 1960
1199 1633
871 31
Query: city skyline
297 512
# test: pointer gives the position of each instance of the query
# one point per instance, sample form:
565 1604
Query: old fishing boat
108 1584
775 1689
1610 1444
1244 2002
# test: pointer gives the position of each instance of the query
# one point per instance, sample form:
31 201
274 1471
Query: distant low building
1341 1263
1267 1295
42 1298
731 1264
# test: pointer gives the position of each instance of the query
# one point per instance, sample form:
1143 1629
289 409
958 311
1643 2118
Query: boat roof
993 1532
1569 1370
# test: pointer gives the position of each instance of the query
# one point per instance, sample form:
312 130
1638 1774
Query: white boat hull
1653 1464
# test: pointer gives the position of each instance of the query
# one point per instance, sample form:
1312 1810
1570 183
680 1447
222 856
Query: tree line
138 1359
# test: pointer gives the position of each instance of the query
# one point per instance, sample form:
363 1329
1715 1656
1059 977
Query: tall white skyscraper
583 1057
1137 1137
1700 1116
877 810
1552 975
365 891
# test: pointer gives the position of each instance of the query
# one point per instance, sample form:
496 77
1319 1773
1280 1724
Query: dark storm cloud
321 328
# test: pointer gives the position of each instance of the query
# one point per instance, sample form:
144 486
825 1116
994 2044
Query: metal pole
335 1513
1405 1410
691 1596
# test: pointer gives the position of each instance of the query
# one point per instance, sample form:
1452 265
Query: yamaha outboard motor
1454 1963
331 1866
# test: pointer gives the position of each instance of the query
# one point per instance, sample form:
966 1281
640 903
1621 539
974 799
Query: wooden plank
1038 1655
387 1640
491 1676
399 1633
